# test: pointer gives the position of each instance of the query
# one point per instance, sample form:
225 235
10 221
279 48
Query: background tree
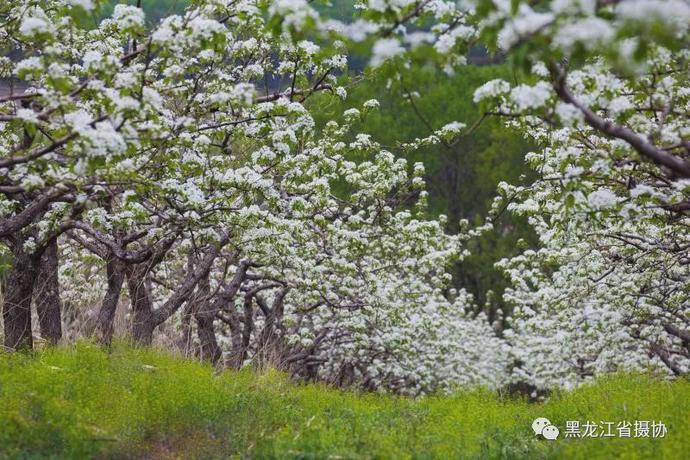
604 92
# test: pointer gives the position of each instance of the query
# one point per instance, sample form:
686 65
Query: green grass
81 402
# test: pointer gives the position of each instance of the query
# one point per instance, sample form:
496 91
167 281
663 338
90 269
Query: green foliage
342 10
83 402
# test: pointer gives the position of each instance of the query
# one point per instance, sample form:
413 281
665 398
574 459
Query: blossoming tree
606 95
174 170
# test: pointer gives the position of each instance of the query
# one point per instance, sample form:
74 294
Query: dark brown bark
234 360
143 322
225 301
16 307
149 254
208 345
186 338
247 330
145 318
196 271
47 295
106 314
666 357
269 349
30 212
204 314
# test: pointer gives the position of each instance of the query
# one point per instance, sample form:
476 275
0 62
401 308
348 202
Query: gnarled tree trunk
204 314
186 337
143 320
16 306
47 295
106 314
270 348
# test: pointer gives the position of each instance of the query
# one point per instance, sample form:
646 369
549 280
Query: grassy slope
82 403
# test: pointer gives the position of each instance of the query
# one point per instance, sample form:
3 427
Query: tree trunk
106 314
143 321
270 349
209 349
47 295
247 329
16 307
186 338
205 314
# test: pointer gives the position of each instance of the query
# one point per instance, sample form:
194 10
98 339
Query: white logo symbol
542 426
